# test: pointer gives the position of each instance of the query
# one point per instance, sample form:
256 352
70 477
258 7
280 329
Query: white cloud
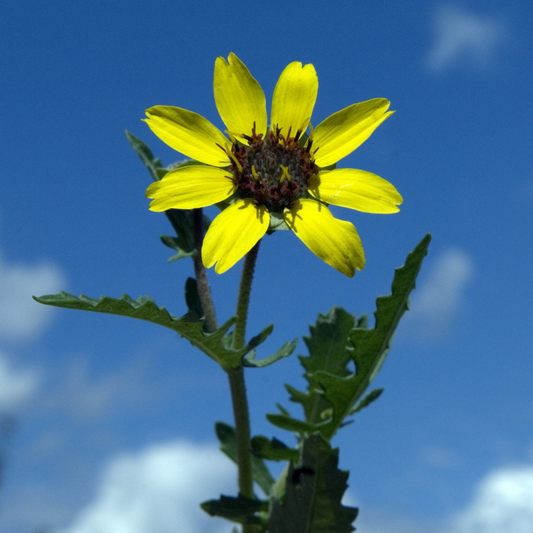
158 490
503 503
439 299
20 316
16 385
465 38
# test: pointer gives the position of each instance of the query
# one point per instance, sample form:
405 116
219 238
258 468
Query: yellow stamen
285 174
233 158
254 173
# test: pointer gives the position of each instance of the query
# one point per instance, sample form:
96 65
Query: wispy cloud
153 490
20 316
158 490
441 458
464 38
16 385
503 502
439 299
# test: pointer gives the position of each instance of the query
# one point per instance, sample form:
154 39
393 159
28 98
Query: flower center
274 171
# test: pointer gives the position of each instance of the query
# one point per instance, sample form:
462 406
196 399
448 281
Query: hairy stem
242 430
245 289
237 385
235 376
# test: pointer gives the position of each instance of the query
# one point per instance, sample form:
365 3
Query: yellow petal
294 98
190 187
188 133
239 98
355 189
335 241
341 133
233 234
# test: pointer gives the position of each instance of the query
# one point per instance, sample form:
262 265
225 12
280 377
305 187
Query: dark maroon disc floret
274 171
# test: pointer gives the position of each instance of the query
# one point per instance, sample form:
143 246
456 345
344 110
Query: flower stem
237 385
235 376
201 276
242 430
245 289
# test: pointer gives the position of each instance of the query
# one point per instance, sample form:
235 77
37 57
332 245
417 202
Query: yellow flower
276 173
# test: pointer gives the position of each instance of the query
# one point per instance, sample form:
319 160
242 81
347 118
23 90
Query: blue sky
108 422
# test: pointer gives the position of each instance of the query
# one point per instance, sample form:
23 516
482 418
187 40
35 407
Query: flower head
272 174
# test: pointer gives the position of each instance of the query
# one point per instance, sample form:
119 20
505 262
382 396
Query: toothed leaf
188 326
371 346
313 494
338 338
328 348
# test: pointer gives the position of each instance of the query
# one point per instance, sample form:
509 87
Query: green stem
201 276
243 301
235 376
237 385
242 430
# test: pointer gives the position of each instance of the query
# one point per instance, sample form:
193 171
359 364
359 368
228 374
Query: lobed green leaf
370 347
337 339
313 493
329 351
188 326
